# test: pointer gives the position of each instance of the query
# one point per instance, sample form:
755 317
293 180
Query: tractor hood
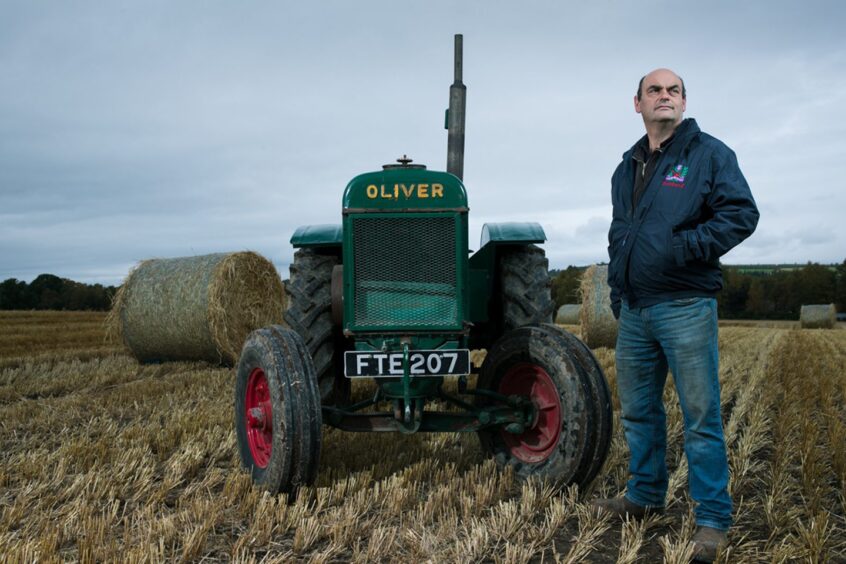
405 188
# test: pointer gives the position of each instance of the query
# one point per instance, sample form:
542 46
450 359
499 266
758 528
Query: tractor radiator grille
405 272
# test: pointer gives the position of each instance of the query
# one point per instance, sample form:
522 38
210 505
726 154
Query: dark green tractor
393 294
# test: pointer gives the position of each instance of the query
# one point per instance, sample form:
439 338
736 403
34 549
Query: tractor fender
525 232
317 236
498 240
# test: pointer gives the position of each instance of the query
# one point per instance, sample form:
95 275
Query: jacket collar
686 132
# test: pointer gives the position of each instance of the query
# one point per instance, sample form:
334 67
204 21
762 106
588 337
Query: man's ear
636 104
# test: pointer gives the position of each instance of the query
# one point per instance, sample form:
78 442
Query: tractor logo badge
401 191
675 178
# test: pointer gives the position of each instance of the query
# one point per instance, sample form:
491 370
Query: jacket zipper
642 175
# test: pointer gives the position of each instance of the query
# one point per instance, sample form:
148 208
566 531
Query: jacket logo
675 177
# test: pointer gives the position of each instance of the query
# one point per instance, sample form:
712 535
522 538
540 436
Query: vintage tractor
393 294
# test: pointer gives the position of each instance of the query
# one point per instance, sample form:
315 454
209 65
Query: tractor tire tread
526 287
309 313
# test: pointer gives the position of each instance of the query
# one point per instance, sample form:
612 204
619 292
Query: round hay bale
568 314
196 308
821 316
599 328
477 357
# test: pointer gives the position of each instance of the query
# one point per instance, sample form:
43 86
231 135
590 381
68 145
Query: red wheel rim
538 441
259 418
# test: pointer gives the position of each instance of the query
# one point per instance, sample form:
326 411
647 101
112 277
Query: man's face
661 98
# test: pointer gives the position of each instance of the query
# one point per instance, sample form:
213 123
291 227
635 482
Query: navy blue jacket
695 209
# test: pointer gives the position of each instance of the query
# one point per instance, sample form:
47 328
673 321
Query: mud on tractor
394 295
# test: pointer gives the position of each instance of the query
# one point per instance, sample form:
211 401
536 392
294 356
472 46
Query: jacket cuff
678 249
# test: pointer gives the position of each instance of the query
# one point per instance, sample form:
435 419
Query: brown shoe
707 542
622 508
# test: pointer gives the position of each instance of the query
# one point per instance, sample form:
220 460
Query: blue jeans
681 335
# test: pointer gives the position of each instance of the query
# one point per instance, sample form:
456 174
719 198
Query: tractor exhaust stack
455 115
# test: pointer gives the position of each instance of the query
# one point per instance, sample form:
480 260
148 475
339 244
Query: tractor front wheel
277 410
566 433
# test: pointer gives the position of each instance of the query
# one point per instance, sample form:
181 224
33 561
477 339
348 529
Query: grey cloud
165 129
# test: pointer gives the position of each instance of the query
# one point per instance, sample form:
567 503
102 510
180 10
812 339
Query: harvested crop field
104 459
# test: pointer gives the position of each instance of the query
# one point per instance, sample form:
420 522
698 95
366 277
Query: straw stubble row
105 459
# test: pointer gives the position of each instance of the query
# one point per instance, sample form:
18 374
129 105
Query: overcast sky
131 130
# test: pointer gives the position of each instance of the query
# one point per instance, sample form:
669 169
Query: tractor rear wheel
525 286
566 439
277 410
309 313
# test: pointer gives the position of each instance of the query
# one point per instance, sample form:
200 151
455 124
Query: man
679 203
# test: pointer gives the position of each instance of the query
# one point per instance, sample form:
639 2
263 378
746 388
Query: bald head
659 73
661 101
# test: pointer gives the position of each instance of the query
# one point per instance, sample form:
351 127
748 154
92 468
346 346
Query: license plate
377 364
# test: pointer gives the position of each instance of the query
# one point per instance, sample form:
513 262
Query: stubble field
104 459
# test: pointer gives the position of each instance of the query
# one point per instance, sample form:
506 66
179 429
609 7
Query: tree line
51 292
748 292
776 292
